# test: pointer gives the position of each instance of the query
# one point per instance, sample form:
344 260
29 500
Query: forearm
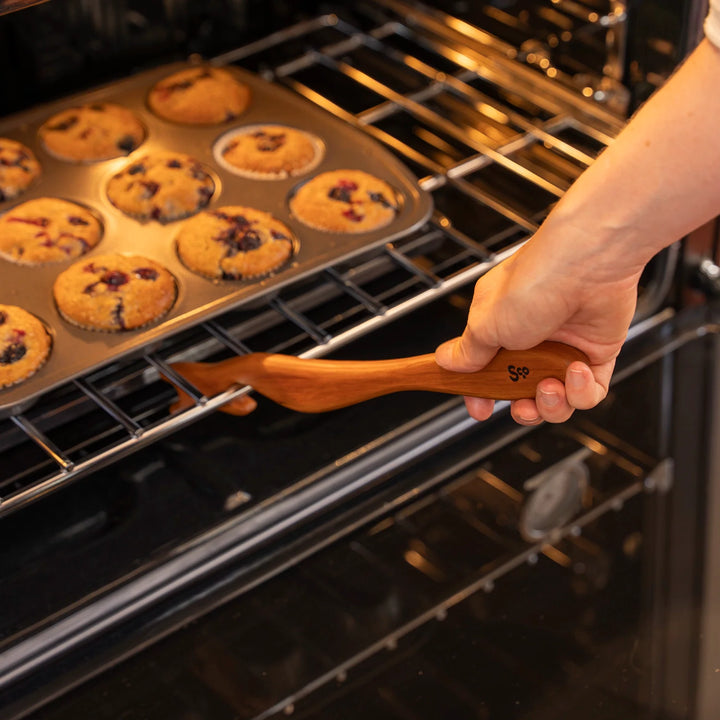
656 182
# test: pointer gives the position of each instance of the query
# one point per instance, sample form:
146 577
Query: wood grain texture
314 386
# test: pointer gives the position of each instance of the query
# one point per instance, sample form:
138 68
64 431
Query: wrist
582 257
601 238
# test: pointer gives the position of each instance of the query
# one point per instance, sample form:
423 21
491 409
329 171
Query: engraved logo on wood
518 373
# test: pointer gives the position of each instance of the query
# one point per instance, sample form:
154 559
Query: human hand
539 294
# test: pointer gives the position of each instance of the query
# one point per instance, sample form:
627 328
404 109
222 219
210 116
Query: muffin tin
77 351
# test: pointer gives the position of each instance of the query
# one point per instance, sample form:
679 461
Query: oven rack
507 131
618 475
139 427
580 44
422 57
240 536
557 548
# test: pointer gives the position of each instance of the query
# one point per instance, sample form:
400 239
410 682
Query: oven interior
491 569
392 556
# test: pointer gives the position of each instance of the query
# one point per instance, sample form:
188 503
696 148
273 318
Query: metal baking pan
77 351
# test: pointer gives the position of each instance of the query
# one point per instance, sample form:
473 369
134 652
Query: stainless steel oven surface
392 558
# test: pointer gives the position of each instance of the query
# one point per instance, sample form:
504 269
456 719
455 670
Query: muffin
114 292
268 151
234 243
161 186
346 201
18 168
24 345
199 96
92 132
47 230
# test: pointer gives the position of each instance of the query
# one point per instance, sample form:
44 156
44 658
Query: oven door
484 570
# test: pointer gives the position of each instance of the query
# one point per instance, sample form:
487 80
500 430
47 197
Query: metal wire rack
580 44
453 536
495 146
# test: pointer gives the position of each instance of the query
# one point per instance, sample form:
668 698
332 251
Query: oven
392 558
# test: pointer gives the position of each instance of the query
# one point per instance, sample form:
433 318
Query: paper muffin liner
226 138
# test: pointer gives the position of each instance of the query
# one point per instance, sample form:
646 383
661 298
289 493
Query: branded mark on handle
518 373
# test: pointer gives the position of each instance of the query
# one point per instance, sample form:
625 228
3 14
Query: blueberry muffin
269 151
199 96
18 168
89 133
47 230
161 186
345 201
234 243
114 292
24 345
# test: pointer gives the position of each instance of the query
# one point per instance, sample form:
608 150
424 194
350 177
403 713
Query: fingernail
549 399
529 418
576 379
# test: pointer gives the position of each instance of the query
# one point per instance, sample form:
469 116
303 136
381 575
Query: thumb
464 354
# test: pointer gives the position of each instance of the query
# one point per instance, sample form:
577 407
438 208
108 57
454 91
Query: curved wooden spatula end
201 376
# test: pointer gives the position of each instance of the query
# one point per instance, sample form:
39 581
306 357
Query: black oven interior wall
430 581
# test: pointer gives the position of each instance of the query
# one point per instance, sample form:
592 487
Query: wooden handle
320 385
